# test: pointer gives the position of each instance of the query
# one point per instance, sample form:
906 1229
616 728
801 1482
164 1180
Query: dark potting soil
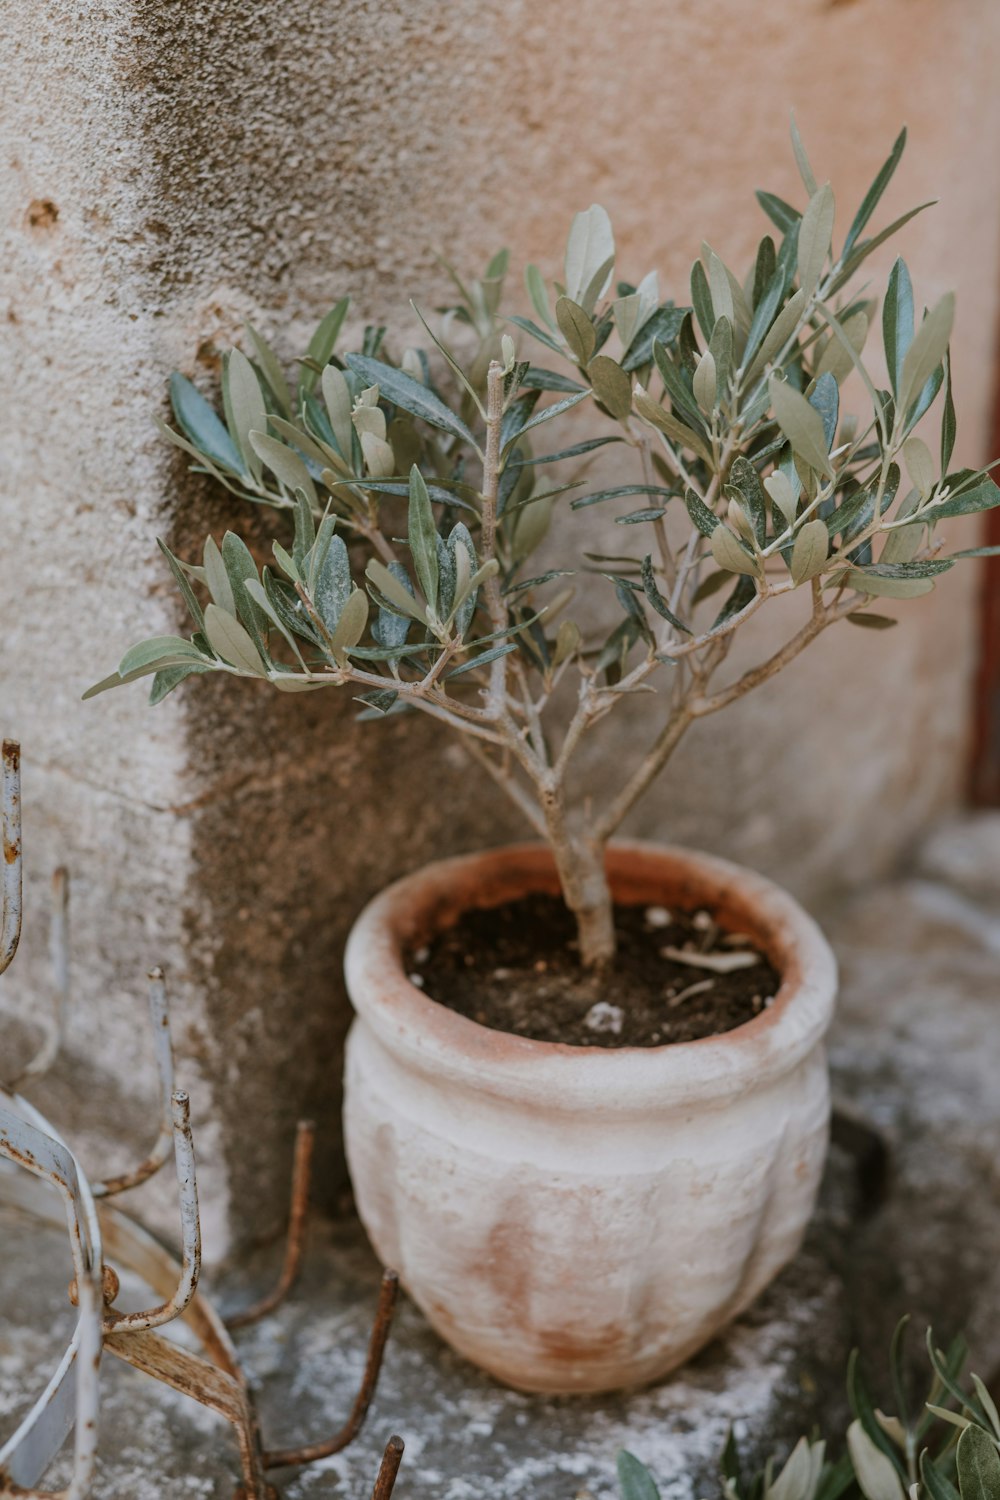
677 975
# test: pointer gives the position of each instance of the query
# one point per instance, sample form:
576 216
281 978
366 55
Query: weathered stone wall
171 169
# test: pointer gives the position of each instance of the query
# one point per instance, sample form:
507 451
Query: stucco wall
212 162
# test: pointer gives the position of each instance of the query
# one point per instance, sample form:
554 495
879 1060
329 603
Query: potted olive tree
587 1101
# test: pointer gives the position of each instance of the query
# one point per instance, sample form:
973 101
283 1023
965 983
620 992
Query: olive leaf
801 424
231 642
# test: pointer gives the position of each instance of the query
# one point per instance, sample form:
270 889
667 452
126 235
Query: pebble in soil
677 976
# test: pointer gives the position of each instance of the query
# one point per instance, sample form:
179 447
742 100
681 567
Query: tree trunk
585 889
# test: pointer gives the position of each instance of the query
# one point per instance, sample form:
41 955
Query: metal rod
305 1137
310 1452
53 1025
187 1185
10 928
388 1468
159 1015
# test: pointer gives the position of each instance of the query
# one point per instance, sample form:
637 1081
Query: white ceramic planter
582 1218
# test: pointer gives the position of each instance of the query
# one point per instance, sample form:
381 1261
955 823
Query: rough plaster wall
222 160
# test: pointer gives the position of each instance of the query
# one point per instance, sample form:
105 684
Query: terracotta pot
581 1218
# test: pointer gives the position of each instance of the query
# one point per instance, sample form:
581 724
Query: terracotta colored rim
445 1045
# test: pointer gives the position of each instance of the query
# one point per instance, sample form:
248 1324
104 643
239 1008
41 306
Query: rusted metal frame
309 1453
10 825
71 1399
187 1185
52 1025
305 1137
159 1015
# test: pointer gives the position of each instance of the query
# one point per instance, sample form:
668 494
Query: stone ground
915 1053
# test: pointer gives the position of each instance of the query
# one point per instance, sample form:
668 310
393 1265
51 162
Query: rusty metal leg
301 1175
309 1452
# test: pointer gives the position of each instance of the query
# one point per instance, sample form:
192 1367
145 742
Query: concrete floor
915 1051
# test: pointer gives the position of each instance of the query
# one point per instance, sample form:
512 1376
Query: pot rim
442 1044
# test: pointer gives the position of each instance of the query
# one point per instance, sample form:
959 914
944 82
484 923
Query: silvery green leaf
200 424
703 518
875 1472
216 577
231 642
988 1404
861 252
925 398
297 684
701 298
159 649
616 492
633 312
656 599
977 552
380 702
794 1480
517 413
634 1479
285 562
802 160
246 404
744 478
321 345
288 468
815 234
902 544
780 332
548 380
402 390
936 1486
530 529
466 591
637 517
590 247
451 361
929 347
871 199
241 568
897 322
721 350
676 384
576 328
730 554
720 291
567 642
422 537
809 552
665 324
597 285
835 359
888 588
978 1465
801 424
537 333
337 396
872 622
537 291
917 457
705 384
380 461
271 370
333 585
394 592
255 589
611 386
783 496
652 413
481 661
165 680
447 576
311 448
778 211
351 625
288 608
551 411
390 629
181 579
982 496
825 398
949 424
